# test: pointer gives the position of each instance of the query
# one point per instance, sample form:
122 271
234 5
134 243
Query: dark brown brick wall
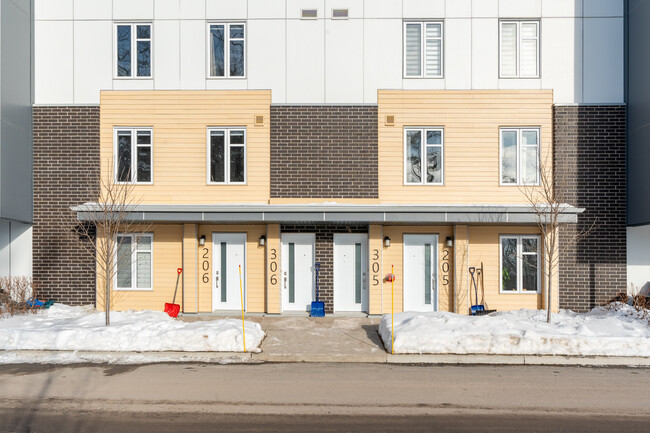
66 157
324 152
325 254
589 144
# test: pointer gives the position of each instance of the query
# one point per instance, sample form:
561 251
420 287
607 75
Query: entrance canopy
330 213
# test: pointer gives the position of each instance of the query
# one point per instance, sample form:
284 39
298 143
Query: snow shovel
474 309
317 307
173 308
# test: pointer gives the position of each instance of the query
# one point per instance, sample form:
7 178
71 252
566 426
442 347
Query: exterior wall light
387 242
262 241
450 241
202 240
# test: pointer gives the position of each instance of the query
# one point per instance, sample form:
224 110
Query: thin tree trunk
108 301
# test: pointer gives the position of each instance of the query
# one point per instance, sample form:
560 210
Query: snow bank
63 327
605 332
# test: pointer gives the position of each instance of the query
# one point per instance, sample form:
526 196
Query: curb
99 357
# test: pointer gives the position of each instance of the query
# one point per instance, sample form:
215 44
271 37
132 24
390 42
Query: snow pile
62 327
620 331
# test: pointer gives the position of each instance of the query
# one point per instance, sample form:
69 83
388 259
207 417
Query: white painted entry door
298 275
420 273
228 253
350 272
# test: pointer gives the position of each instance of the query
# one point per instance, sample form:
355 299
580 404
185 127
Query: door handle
285 280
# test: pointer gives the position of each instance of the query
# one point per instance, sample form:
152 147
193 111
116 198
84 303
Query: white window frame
520 254
226 50
227 130
134 262
519 130
134 46
423 146
134 153
519 39
423 48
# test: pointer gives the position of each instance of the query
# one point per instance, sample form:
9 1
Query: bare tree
96 230
548 202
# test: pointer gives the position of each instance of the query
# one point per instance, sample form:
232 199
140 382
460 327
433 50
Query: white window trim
423 49
519 130
134 154
423 147
134 43
520 255
519 38
227 130
134 263
226 50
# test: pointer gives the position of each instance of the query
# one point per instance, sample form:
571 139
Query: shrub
14 294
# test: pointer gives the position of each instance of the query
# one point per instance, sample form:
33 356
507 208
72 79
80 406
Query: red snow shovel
173 309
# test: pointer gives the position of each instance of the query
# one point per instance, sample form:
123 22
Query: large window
519 49
423 152
227 155
133 50
134 262
423 49
520 264
519 156
132 152
226 45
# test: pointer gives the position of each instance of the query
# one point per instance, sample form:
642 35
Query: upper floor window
132 50
519 49
227 44
423 152
133 155
227 153
519 156
423 49
134 270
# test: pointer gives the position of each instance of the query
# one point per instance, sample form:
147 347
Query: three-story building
365 136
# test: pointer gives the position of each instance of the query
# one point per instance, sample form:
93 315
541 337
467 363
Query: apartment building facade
356 137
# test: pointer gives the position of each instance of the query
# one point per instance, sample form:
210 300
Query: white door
420 272
228 254
350 272
298 276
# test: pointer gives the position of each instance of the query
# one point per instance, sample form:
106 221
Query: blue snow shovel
475 309
317 307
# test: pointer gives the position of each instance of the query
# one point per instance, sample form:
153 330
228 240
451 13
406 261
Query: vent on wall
339 14
390 120
259 120
308 14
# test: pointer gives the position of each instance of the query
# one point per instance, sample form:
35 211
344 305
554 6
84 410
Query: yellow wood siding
273 251
167 258
376 280
180 120
471 120
190 244
255 264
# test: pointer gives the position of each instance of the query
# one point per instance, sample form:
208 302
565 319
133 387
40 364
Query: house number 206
205 265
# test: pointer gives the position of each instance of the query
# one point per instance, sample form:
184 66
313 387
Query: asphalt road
322 397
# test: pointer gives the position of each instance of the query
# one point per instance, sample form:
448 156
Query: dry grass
640 302
14 294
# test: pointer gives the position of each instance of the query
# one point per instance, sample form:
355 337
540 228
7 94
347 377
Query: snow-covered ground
619 331
68 328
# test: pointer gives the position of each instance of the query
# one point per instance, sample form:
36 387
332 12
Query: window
519 49
226 44
427 144
133 50
133 155
227 155
520 264
308 14
519 156
133 258
423 49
